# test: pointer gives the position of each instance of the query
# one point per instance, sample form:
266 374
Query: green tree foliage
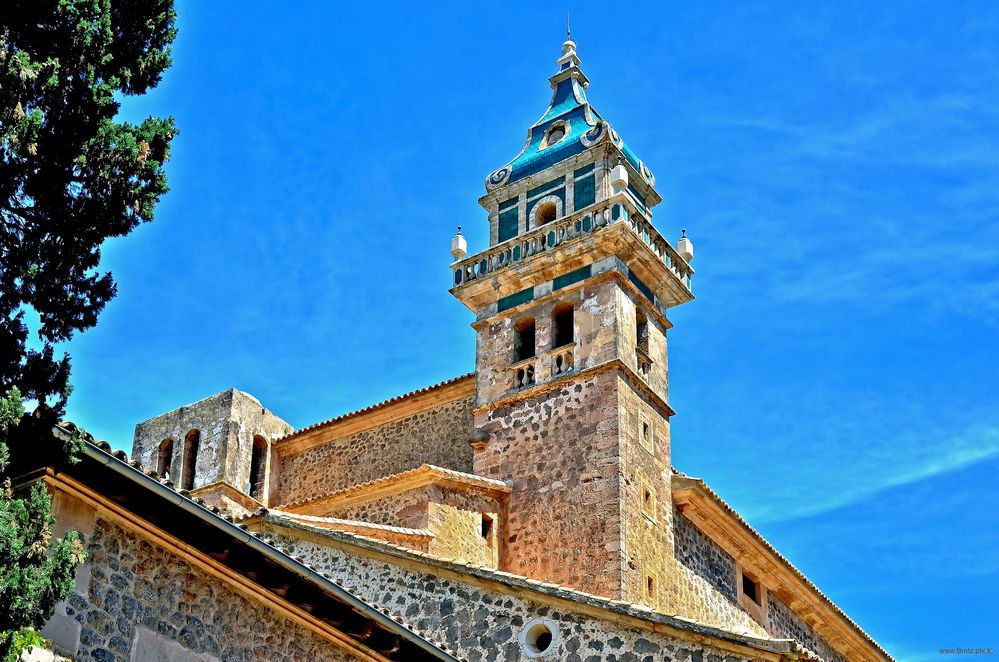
36 569
70 175
70 178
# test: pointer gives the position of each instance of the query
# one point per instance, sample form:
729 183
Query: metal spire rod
568 26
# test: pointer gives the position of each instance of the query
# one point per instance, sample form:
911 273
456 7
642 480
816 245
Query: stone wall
226 422
137 591
437 435
647 539
453 516
558 450
706 579
784 623
482 625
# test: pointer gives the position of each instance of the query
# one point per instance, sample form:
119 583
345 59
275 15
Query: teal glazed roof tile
582 125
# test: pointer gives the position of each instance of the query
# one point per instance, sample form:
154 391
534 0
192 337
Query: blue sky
836 167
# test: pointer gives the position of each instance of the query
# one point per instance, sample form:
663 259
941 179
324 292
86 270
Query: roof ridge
557 590
374 407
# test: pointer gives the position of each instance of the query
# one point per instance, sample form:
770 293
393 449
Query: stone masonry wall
784 623
134 584
407 509
559 452
480 625
437 435
454 517
647 536
705 581
227 423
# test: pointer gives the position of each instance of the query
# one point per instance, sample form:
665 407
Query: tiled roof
584 128
337 524
428 472
374 407
770 548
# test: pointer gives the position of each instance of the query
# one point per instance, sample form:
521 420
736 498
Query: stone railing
562 359
523 373
618 208
643 361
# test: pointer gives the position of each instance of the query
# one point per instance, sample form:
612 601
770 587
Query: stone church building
527 510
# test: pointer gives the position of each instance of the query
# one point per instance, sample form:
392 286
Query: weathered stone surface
226 423
437 435
479 624
158 591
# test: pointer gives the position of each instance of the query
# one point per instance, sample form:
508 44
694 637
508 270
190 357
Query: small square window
486 527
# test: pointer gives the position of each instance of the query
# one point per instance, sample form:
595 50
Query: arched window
165 458
258 467
546 212
562 325
191 442
523 341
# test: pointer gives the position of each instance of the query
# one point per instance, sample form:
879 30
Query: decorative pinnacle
459 229
683 232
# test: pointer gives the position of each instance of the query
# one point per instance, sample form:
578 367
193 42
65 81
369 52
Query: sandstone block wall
453 516
482 625
137 597
437 435
646 509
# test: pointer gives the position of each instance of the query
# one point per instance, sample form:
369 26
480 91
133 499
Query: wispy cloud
907 459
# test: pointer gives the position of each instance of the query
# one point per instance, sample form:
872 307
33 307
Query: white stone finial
619 177
685 247
459 247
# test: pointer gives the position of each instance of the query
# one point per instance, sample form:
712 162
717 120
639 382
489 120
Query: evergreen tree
71 176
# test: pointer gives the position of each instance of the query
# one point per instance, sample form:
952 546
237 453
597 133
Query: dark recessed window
751 589
487 526
523 341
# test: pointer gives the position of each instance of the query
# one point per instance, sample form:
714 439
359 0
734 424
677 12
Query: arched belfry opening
192 440
562 324
165 459
258 467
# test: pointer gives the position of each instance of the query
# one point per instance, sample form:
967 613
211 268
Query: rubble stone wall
558 450
478 624
136 589
784 623
438 435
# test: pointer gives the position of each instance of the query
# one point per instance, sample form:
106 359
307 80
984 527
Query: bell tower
572 404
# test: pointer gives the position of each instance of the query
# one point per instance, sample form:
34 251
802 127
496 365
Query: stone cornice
397 483
719 521
614 364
